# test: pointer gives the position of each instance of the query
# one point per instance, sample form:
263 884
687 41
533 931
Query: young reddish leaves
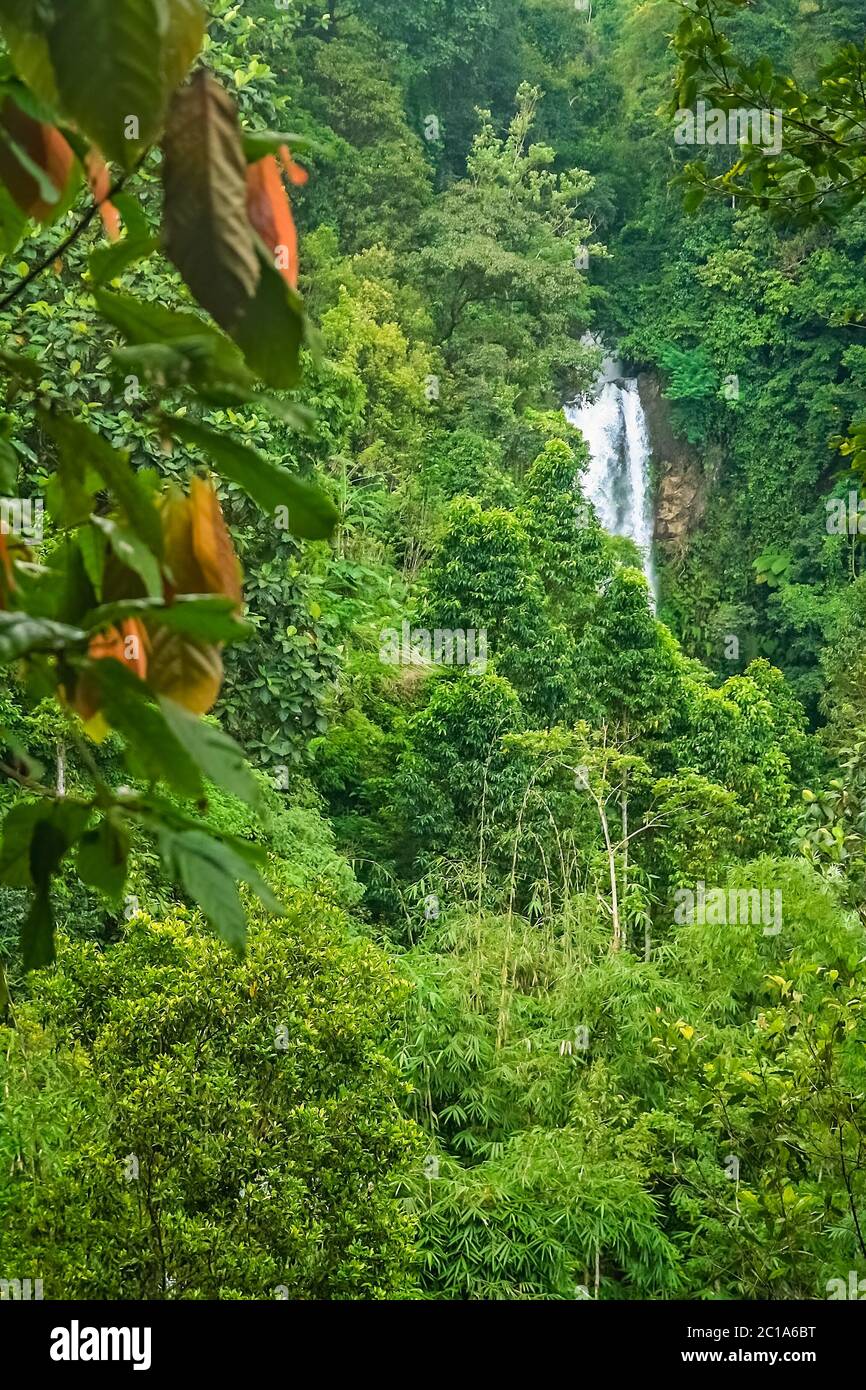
270 211
34 159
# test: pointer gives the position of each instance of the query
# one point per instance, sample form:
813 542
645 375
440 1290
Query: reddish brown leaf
211 542
206 228
128 644
270 213
293 171
100 185
46 147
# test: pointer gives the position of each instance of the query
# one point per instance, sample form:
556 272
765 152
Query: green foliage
808 162
232 1124
585 1111
482 577
499 262
570 547
791 1225
628 664
119 531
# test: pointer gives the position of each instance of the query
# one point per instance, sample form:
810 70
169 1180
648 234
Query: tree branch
70 240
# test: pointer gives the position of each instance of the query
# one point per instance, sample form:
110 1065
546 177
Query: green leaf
258 143
153 752
8 469
207 231
299 417
12 224
24 368
92 544
693 198
53 836
21 633
48 191
77 442
185 24
71 490
143 324
198 863
25 31
153 362
219 757
108 261
26 760
18 827
102 858
37 930
106 60
133 215
164 814
207 868
208 617
133 553
271 331
310 513
197 362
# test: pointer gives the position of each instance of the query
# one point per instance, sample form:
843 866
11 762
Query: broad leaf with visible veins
207 231
106 61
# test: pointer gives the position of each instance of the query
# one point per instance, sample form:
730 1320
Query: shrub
184 1124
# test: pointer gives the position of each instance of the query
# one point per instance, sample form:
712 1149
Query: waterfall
617 481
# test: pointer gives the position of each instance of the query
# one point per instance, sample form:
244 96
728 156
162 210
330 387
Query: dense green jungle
433 631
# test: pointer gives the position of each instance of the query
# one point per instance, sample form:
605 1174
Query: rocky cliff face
682 477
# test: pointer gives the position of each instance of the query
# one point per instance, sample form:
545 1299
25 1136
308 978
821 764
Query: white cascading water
617 481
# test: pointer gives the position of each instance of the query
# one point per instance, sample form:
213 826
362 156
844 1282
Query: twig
70 240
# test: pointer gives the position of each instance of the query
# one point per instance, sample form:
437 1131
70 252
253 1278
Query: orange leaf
187 671
270 214
136 646
7 578
100 185
211 542
294 172
186 575
46 147
128 644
